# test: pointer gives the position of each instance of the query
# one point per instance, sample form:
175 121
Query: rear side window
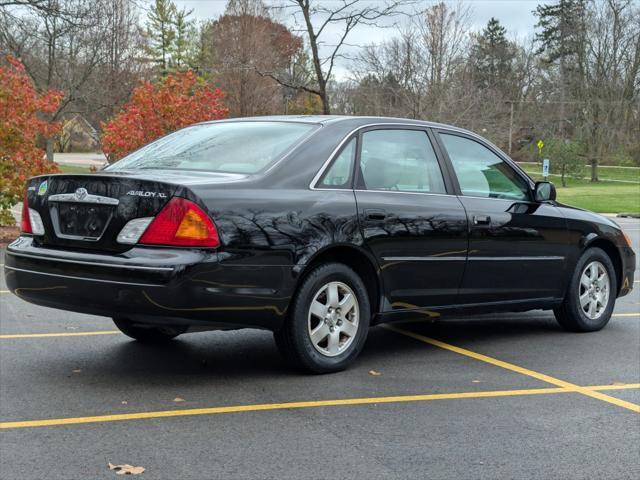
231 147
339 174
400 160
481 173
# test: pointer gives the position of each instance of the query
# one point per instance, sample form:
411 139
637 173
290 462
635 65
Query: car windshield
230 147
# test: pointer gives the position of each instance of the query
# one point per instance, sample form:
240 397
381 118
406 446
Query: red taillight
181 223
25 221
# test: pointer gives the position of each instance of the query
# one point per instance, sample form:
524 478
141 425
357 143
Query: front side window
230 147
401 160
339 174
481 173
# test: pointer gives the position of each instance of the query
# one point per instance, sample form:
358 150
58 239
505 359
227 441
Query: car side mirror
545 191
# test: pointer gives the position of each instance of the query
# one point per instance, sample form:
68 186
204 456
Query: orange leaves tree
22 123
156 109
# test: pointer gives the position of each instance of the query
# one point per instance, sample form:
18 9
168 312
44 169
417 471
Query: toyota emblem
81 193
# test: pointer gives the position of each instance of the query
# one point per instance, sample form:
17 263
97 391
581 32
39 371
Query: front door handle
375 214
481 219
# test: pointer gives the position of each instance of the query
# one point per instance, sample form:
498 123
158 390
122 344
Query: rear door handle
375 214
481 219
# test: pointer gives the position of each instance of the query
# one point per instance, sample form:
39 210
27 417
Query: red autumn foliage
154 110
21 123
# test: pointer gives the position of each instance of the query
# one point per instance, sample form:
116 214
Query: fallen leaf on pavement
178 399
126 469
475 381
124 402
374 373
77 370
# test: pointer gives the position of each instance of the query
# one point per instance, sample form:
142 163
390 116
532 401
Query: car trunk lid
89 210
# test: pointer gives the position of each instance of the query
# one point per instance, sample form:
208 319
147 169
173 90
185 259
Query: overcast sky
515 15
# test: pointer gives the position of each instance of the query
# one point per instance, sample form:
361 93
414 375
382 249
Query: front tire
146 334
328 320
589 302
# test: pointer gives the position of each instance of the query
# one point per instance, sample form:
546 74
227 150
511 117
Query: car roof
333 119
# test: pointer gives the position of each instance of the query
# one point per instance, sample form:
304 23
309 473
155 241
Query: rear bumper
151 285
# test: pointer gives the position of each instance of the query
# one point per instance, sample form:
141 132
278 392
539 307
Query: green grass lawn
73 169
601 197
604 172
617 173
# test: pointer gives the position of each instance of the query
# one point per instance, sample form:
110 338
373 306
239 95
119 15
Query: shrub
21 123
566 158
156 109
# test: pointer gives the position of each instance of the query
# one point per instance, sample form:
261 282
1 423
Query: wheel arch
612 252
355 258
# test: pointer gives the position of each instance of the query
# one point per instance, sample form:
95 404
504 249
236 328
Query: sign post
545 168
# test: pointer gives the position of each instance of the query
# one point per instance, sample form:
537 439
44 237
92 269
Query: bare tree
121 65
611 82
85 48
317 20
390 77
444 34
242 42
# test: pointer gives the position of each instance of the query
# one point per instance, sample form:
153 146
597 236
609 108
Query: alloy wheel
594 290
333 319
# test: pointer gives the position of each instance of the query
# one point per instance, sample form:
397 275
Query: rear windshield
233 147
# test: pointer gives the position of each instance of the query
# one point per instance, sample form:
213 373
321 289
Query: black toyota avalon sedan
315 228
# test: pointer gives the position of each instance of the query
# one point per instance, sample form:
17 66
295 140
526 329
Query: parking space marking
515 368
305 404
65 334
626 315
4 291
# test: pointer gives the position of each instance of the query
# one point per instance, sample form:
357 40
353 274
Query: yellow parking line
613 386
66 334
626 315
515 368
4 291
293 405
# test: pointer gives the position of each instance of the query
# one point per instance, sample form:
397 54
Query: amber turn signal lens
193 226
182 223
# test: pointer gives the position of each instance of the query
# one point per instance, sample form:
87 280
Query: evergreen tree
492 57
562 29
562 45
183 51
161 32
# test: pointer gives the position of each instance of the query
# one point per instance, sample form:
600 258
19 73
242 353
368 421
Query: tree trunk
594 169
49 149
325 101
317 64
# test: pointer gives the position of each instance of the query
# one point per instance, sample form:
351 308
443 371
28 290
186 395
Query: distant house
78 135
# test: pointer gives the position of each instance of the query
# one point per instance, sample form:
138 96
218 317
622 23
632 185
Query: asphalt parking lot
509 396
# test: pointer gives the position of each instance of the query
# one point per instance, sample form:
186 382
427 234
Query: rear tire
328 320
591 295
146 334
